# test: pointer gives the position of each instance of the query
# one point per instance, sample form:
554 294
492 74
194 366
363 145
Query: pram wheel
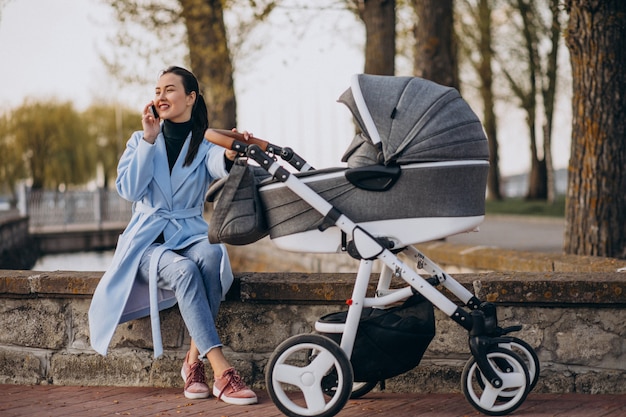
528 354
491 400
309 375
359 389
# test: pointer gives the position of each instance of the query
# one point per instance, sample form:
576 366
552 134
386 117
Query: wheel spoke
489 396
288 374
513 379
322 363
314 398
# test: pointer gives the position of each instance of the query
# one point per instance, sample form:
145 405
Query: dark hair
199 113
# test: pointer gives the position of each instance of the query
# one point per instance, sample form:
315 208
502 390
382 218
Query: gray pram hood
415 120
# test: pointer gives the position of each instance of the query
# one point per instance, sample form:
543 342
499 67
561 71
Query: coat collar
171 183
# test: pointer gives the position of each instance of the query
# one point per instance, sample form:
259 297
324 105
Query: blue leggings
193 273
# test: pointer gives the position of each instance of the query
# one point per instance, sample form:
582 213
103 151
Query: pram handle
227 139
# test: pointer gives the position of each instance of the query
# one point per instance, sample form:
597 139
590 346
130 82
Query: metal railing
77 208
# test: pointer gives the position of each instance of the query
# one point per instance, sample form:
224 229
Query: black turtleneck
175 135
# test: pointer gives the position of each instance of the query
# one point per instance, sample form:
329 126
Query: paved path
536 234
58 401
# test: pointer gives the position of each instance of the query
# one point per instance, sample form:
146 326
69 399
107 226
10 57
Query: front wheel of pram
309 375
491 400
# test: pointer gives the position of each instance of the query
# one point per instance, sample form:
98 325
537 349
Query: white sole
234 401
193 395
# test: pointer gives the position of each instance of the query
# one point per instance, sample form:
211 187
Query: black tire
322 383
497 401
526 352
359 389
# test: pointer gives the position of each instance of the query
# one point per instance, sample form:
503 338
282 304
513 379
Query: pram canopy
413 120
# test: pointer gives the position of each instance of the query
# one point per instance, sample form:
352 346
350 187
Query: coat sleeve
215 161
135 168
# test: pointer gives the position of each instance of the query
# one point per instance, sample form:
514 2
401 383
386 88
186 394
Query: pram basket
428 158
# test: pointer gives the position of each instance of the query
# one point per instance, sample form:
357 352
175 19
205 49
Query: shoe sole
193 395
196 395
234 401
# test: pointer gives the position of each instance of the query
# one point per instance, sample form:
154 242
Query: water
80 261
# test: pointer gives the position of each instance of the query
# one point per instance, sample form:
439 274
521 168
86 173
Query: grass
523 207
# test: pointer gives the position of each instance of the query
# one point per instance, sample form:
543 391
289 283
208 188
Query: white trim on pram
403 232
361 105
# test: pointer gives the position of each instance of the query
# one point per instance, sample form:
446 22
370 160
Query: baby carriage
416 173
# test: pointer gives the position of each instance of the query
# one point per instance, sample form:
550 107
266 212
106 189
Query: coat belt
172 216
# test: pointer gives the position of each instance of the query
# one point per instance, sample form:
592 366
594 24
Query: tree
11 163
199 26
379 18
477 47
532 75
435 42
596 197
54 143
210 59
109 127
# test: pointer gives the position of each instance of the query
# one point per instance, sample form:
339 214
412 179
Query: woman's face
171 100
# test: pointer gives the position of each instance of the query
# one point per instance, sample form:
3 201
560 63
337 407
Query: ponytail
199 124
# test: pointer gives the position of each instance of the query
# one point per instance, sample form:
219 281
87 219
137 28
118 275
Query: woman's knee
182 272
206 254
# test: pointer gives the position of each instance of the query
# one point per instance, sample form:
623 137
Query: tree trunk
596 197
485 73
379 17
435 49
210 59
549 94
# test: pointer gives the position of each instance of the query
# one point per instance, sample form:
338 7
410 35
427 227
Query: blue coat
163 203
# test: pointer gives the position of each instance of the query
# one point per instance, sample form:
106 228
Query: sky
286 92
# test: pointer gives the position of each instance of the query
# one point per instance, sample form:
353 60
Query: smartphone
154 111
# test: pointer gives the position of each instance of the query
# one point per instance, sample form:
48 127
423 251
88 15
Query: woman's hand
151 125
229 153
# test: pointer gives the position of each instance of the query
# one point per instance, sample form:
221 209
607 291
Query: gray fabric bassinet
425 129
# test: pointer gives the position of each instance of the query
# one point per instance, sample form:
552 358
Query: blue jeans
193 273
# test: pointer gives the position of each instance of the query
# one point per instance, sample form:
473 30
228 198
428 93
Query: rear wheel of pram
491 400
309 375
359 389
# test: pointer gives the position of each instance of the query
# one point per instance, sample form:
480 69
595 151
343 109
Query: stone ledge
540 288
496 259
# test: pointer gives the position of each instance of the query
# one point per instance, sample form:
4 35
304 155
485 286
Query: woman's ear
191 99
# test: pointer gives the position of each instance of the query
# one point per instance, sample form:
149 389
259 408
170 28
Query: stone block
138 333
37 323
21 367
600 382
123 367
260 328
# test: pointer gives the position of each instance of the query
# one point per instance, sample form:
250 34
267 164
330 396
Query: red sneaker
195 380
232 390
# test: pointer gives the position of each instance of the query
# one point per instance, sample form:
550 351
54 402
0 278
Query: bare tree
596 197
477 47
532 75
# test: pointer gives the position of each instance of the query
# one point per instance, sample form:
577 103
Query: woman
164 257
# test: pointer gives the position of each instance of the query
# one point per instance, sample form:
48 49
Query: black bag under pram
417 172
389 342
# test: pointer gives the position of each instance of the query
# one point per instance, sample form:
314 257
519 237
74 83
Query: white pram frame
496 379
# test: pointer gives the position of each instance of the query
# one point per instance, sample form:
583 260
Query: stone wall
17 248
575 320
